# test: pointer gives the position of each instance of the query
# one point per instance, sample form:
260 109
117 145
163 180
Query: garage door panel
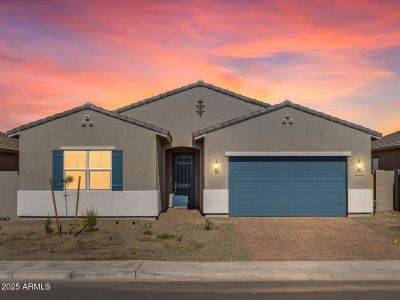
304 183
273 174
329 174
245 185
335 185
300 174
287 186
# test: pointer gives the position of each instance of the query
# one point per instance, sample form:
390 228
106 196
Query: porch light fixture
216 166
359 169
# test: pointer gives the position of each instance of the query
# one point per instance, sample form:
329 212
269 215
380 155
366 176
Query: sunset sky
342 58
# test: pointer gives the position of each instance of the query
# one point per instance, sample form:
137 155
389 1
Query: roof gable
199 83
390 141
275 107
90 106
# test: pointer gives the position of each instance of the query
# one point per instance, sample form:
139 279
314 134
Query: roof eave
88 106
394 147
287 103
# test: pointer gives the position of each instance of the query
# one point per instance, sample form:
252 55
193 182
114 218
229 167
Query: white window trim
82 148
88 169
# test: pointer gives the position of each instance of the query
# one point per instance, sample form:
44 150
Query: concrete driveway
312 239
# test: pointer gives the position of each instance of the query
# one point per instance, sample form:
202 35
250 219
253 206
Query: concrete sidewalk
195 271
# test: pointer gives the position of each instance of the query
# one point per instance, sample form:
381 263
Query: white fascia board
294 153
87 148
14 134
163 135
199 137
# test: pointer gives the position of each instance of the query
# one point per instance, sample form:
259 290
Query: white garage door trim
289 153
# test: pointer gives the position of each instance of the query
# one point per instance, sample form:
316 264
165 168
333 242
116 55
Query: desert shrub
90 219
208 225
146 228
179 237
47 226
165 236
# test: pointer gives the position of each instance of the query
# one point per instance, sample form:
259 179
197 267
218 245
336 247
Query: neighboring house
8 176
207 148
386 152
8 153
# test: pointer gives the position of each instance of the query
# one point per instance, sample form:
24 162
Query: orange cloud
335 56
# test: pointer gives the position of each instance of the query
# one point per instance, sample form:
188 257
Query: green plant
165 236
146 228
208 225
90 220
47 226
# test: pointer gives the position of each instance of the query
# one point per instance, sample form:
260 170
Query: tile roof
7 143
390 141
90 106
272 108
199 83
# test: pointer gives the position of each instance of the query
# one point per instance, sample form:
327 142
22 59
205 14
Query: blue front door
287 186
183 180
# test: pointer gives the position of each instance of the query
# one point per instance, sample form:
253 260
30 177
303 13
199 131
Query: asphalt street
67 290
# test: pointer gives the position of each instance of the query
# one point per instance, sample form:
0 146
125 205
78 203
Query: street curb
6 275
41 275
103 275
201 271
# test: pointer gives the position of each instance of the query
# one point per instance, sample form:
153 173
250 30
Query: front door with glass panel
183 180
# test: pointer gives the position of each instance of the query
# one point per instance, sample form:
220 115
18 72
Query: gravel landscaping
125 239
385 223
181 235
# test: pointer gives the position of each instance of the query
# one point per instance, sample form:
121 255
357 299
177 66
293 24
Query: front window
93 166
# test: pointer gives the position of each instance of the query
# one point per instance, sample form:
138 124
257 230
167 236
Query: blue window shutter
58 170
117 170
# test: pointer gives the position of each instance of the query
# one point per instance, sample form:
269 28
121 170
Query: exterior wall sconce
359 169
216 166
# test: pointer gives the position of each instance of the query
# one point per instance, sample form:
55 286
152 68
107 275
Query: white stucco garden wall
360 201
215 201
107 203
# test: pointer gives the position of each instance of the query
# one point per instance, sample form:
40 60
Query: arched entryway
183 177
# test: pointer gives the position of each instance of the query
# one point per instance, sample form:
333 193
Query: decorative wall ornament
87 121
200 108
287 119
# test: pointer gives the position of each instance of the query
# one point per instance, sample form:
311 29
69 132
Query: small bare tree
67 181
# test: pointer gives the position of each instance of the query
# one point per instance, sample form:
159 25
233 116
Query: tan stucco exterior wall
267 133
138 144
177 113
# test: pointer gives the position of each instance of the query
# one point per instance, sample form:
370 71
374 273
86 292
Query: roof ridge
199 83
286 103
90 106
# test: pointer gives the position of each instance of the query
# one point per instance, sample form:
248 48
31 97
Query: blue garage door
287 186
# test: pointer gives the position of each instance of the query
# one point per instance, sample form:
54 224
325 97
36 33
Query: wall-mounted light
216 166
359 168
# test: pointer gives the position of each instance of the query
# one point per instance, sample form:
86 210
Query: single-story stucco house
198 146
